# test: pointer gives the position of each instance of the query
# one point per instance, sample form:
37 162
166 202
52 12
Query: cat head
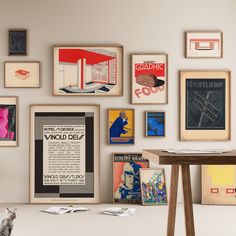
10 214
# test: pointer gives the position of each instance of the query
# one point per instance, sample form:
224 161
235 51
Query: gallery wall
141 27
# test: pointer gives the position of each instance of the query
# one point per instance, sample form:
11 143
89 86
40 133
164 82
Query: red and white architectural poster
88 70
204 44
149 78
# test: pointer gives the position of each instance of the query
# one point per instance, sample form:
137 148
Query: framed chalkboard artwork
17 42
205 105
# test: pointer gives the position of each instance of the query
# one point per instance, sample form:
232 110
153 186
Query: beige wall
139 25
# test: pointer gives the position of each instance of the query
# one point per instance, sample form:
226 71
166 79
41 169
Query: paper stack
118 211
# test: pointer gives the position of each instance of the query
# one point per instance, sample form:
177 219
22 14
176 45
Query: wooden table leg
173 200
188 205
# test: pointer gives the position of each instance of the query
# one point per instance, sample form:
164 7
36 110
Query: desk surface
164 158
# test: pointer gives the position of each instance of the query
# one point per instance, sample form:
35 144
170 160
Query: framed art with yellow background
121 126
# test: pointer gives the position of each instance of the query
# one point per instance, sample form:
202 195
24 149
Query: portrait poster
204 44
121 127
219 184
22 74
155 124
149 78
64 154
8 122
205 105
88 70
153 186
126 179
17 42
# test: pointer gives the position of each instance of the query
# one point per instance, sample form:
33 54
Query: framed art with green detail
8 121
153 186
64 153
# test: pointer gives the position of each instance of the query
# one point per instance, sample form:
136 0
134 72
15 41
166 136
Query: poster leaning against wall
64 153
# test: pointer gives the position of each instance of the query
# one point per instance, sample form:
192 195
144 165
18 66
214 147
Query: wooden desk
185 160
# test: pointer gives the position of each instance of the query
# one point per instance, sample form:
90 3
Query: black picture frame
17 42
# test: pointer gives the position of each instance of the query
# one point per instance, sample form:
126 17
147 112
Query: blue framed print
155 124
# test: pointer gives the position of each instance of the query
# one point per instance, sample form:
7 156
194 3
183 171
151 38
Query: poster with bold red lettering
149 78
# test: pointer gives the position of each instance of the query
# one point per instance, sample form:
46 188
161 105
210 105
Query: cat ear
15 210
7 211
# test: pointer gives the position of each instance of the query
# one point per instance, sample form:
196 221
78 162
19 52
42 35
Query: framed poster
149 78
17 42
204 44
8 121
121 126
155 124
126 180
153 186
22 74
219 184
205 105
88 70
64 153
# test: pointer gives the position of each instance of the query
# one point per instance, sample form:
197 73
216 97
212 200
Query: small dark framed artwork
155 124
17 42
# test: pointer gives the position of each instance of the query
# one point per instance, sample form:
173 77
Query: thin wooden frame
108 119
142 170
204 134
26 42
85 46
12 143
203 32
166 78
96 182
113 172
146 129
22 62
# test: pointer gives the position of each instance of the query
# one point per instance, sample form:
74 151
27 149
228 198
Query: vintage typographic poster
8 121
91 70
205 105
205 44
219 184
155 124
121 126
149 78
64 154
153 186
126 179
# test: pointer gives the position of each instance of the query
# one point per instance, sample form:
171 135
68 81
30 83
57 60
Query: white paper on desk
64 209
198 151
118 211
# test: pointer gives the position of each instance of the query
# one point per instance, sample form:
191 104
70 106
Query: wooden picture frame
149 78
17 42
153 186
9 121
22 74
126 180
121 131
155 124
88 70
205 105
64 153
204 44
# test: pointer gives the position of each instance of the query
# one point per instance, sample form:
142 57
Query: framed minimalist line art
17 42
64 153
22 74
203 44
218 184
205 105
126 179
155 124
8 121
121 126
149 78
153 186
88 70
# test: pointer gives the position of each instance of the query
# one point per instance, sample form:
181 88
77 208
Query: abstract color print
153 186
126 180
155 124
